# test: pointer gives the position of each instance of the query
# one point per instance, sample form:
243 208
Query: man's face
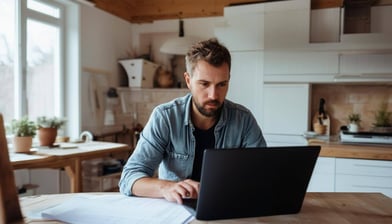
209 86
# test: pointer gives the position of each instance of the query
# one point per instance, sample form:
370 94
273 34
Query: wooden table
70 159
317 208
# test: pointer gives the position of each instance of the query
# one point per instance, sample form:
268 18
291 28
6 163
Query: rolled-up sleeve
147 155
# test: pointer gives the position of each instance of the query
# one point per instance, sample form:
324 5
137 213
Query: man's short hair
210 51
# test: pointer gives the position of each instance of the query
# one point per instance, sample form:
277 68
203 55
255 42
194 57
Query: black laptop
237 183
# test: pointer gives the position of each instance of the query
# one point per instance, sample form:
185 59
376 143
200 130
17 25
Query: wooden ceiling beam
142 11
322 4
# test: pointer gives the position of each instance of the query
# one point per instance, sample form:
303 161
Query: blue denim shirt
167 140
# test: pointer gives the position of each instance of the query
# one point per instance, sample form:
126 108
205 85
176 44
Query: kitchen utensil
321 121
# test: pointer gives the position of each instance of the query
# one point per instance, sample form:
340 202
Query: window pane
42 72
43 8
7 43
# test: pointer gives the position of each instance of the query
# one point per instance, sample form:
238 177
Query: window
7 43
31 58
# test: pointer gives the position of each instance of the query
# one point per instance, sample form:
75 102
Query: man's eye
222 84
204 84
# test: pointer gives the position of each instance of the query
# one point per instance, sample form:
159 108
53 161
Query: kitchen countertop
355 151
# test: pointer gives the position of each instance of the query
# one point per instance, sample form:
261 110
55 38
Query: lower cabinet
351 175
323 178
358 175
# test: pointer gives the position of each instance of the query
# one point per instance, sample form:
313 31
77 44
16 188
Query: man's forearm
150 187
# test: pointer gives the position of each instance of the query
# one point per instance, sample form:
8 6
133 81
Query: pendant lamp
180 44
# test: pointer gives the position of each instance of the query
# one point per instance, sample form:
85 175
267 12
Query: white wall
104 40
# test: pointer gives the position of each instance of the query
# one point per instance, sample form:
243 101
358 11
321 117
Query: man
177 132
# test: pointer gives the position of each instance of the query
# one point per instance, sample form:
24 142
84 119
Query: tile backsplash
138 103
344 99
340 101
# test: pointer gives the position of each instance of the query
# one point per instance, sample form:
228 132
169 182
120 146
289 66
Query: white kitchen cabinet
373 66
323 177
325 25
286 24
242 27
246 81
351 175
380 37
285 115
271 25
359 175
368 65
285 112
300 62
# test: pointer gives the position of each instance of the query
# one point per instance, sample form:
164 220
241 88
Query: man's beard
210 113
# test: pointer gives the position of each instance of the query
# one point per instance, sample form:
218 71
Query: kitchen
312 70
271 54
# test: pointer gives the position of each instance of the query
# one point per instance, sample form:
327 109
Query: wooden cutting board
321 118
325 121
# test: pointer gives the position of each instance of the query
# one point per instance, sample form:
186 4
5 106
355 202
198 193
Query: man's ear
187 78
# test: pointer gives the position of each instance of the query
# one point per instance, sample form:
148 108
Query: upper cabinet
300 62
242 27
325 25
308 46
286 24
365 67
260 26
366 64
301 45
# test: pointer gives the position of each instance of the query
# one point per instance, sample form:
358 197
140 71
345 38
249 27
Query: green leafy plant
23 127
354 118
382 117
50 122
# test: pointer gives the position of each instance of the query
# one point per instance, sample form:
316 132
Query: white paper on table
117 209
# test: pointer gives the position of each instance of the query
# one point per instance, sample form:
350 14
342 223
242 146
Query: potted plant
382 119
24 130
47 129
354 120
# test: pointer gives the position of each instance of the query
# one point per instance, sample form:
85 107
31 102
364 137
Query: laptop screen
253 182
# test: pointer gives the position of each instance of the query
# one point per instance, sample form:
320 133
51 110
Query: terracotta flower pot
47 136
22 144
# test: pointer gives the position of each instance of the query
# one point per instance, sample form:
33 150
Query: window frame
69 103
23 14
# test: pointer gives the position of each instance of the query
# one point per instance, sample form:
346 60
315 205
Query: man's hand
176 191
170 190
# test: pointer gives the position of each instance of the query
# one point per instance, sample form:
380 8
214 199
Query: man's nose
213 92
